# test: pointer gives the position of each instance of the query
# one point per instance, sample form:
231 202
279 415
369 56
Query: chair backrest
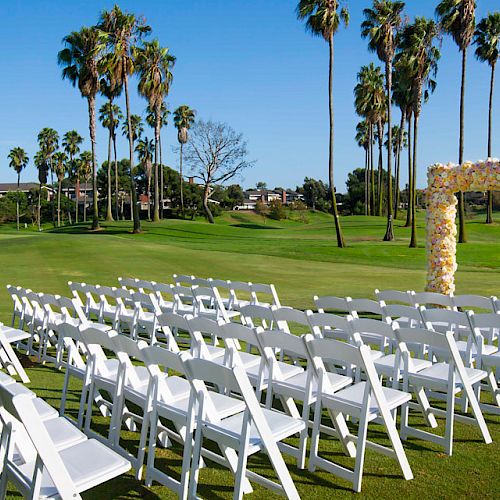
142 286
269 292
291 320
127 349
470 301
331 303
394 311
72 308
363 306
21 408
164 295
394 296
183 280
271 340
15 293
257 315
445 320
183 299
373 326
199 328
208 300
431 299
321 322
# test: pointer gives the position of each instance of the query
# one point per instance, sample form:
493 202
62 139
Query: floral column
443 182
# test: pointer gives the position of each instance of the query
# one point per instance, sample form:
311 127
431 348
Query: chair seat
350 400
295 386
13 334
247 360
436 377
63 433
44 410
281 426
487 348
178 387
287 371
88 463
386 364
491 360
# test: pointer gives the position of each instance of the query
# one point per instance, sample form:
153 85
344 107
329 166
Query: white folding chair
471 301
137 285
208 303
17 310
449 379
164 296
253 430
265 295
394 297
367 401
8 357
64 473
431 299
330 303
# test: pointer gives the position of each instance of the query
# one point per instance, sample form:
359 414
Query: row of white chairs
295 382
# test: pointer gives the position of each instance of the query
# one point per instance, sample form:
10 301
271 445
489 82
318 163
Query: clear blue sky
248 63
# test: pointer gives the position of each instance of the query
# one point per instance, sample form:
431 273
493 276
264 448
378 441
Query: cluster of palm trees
410 53
102 59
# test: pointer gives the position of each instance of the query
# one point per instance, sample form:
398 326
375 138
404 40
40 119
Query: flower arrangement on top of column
443 182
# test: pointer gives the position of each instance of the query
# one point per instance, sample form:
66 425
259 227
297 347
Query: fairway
301 259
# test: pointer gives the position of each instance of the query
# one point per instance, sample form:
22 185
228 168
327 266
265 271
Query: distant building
266 196
24 187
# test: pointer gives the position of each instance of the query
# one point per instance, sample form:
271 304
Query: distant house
24 187
266 196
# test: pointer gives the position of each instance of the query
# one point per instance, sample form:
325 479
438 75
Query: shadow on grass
254 226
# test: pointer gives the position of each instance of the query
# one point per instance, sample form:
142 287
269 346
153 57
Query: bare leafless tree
215 153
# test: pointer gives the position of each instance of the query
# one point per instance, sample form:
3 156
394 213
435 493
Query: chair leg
450 421
360 451
423 400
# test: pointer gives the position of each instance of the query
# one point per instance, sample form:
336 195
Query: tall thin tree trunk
85 200
67 189
389 232
109 202
162 204
95 215
380 184
77 195
462 235
17 200
53 206
135 207
338 228
372 174
181 181
40 208
156 209
489 206
413 239
410 174
397 193
149 198
366 181
116 179
59 189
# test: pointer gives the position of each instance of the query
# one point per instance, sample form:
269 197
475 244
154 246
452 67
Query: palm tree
60 160
124 32
41 164
136 126
110 116
399 142
380 26
323 18
71 144
145 148
84 168
151 121
487 40
80 62
402 97
18 161
363 140
48 141
457 18
369 101
418 43
183 119
154 65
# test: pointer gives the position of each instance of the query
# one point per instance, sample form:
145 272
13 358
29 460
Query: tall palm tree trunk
410 175
77 196
85 201
161 179
397 192
489 207
462 235
133 201
156 209
181 182
17 200
109 214
372 174
389 232
117 211
59 203
40 208
380 163
53 206
366 180
338 228
149 198
95 215
413 239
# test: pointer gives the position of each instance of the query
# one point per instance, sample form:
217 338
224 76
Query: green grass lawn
301 259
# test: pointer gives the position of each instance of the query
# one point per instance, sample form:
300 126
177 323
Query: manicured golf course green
301 259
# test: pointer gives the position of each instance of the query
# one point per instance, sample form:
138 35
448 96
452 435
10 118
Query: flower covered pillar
443 182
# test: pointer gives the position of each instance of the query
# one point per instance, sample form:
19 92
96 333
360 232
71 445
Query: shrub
276 210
